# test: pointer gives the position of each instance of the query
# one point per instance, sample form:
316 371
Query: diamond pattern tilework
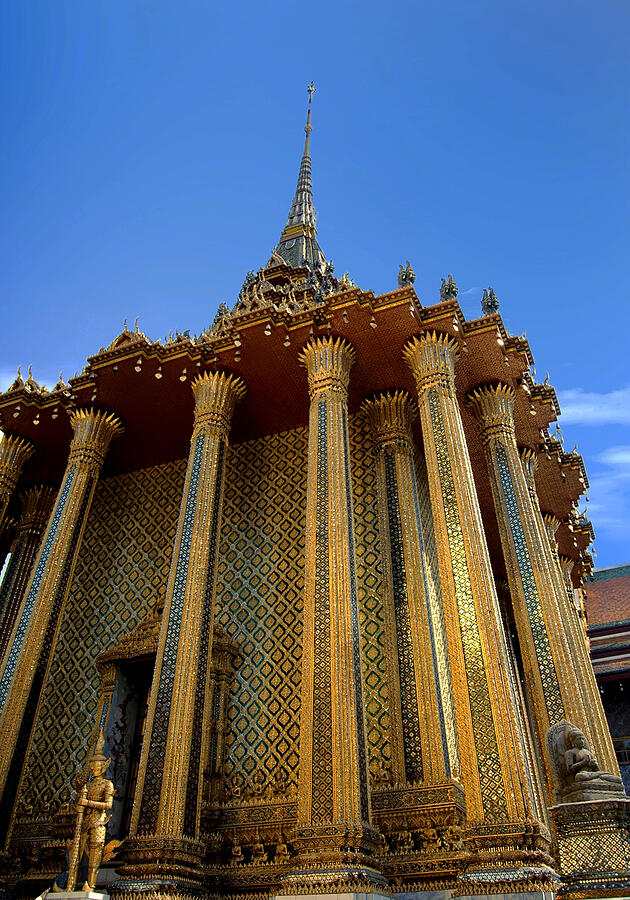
260 599
122 568
370 587
406 662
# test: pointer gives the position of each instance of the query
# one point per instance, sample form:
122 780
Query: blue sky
150 151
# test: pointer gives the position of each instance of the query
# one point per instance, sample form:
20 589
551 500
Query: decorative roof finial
449 289
489 302
406 276
307 128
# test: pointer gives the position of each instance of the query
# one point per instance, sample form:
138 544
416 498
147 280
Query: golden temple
313 576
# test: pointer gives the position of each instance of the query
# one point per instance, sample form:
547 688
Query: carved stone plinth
159 867
594 847
520 867
334 858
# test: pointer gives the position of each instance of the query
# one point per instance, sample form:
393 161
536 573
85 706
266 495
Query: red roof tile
607 600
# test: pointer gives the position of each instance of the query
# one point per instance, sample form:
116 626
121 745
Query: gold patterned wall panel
370 585
260 600
122 569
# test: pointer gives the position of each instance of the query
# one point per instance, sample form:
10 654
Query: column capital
328 362
14 452
552 523
390 416
431 358
566 564
492 405
93 431
529 462
216 395
37 503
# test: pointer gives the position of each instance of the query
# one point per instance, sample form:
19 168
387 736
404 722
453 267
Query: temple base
77 895
351 895
594 848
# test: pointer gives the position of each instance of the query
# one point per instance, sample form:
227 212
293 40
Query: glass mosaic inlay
544 657
159 731
412 745
29 604
488 760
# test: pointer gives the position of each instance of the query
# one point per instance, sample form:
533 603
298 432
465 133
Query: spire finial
307 128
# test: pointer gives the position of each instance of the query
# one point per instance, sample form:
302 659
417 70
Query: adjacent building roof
607 602
607 597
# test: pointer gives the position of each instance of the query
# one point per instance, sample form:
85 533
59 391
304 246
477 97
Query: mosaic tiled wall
370 586
259 603
123 567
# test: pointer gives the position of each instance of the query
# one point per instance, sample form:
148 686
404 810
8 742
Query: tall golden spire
298 243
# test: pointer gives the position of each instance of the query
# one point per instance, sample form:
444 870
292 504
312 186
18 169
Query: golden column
424 745
572 636
25 664
498 782
14 452
166 816
37 503
333 832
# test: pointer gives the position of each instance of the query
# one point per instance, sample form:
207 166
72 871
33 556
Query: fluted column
14 452
583 685
549 670
26 662
37 503
497 779
333 797
596 722
423 743
167 803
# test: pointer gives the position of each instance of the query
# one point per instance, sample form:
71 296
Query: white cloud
609 508
580 407
618 457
